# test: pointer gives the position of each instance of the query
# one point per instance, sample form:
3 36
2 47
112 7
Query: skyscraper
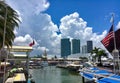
65 47
75 46
89 46
84 49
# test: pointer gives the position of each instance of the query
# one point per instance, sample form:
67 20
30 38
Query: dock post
83 79
27 65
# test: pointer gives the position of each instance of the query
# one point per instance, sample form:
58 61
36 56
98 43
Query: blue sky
80 19
96 12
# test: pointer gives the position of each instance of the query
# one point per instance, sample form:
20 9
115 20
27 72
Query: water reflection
54 75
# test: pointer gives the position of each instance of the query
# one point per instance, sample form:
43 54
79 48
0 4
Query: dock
17 78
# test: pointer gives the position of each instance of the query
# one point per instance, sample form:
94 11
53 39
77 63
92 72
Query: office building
89 46
75 46
65 47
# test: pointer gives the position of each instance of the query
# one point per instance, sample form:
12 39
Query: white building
77 55
84 49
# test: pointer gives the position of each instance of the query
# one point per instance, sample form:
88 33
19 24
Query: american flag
108 41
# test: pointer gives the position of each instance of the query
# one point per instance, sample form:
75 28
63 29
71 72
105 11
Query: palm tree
98 53
12 21
94 53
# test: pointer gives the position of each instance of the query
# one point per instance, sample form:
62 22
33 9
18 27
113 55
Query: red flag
31 44
108 41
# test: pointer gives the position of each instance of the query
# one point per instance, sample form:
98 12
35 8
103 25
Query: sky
80 19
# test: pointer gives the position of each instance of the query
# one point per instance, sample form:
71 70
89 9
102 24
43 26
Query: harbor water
51 74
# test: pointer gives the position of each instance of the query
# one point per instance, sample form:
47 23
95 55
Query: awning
20 55
21 49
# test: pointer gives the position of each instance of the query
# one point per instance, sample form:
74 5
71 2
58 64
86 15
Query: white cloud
43 49
39 26
15 32
28 9
75 27
71 26
24 40
29 6
44 34
118 25
42 6
19 15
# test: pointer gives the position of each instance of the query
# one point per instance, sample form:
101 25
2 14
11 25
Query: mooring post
83 79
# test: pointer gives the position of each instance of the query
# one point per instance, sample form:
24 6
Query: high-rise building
75 46
89 46
65 47
84 49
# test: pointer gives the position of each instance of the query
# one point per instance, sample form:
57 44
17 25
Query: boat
101 75
94 73
74 67
110 79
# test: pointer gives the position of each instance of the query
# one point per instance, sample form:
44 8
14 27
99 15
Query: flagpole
113 31
112 21
115 51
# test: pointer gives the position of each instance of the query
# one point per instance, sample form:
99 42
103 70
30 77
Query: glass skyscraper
89 46
75 46
65 47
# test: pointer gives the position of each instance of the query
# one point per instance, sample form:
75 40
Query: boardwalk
19 77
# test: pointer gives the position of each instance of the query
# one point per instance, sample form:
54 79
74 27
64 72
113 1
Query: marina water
51 74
